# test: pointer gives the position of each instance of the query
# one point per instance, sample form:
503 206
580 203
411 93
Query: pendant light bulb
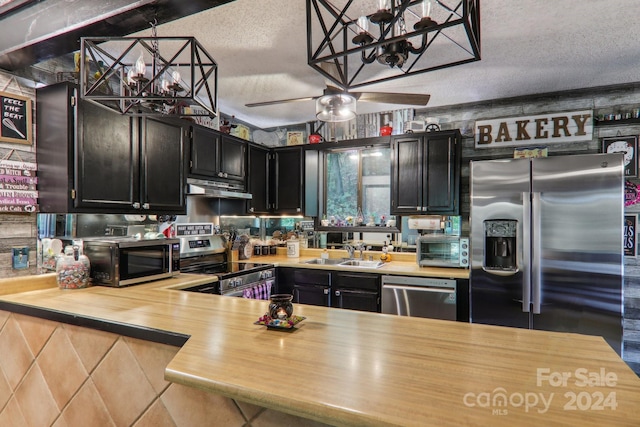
384 4
426 8
141 67
363 25
130 77
175 77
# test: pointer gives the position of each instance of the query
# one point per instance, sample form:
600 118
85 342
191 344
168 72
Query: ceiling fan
335 104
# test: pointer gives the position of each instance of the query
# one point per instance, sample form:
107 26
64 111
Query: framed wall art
628 145
295 138
16 118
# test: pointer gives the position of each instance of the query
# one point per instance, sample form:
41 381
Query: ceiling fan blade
392 98
279 101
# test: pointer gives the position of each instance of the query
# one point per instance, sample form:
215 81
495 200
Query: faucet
352 249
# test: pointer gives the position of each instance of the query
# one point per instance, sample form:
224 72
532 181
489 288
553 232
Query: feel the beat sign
553 128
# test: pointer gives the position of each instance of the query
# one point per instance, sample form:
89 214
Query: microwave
442 251
126 261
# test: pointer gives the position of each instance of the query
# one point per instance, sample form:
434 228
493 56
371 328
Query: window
358 178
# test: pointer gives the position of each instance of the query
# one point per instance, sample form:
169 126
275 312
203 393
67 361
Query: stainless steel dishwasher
419 297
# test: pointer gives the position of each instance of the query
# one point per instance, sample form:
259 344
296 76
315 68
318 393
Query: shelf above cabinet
359 229
621 122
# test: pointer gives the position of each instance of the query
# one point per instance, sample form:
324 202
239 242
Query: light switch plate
20 257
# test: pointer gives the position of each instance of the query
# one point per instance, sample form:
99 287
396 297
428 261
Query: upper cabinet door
163 168
204 152
406 175
425 174
441 173
258 180
107 159
287 178
233 158
217 156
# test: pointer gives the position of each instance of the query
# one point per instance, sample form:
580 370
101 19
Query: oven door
256 290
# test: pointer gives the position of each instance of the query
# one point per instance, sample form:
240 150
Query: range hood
215 189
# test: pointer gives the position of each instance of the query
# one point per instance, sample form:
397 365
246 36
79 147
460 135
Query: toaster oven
442 251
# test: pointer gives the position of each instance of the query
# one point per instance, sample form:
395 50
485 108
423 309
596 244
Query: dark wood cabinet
312 287
163 165
216 156
425 173
258 180
356 291
341 289
286 170
94 160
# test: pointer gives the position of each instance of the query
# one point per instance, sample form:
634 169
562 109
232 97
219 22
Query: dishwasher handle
444 290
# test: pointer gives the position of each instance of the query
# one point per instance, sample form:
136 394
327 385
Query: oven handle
237 293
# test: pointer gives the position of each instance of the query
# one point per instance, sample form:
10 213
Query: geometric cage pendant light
355 43
149 76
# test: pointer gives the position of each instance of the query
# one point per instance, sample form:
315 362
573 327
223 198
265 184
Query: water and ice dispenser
500 244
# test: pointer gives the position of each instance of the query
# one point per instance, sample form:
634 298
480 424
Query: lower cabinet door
356 299
312 294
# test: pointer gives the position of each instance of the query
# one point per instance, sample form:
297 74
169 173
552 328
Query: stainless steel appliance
419 297
546 244
208 255
123 261
436 250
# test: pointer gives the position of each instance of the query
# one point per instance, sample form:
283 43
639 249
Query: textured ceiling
528 47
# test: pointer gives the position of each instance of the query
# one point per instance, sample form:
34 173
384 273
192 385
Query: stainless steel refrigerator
546 244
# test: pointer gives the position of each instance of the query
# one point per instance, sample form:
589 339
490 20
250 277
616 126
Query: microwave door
499 239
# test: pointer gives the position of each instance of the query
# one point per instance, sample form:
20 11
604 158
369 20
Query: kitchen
460 120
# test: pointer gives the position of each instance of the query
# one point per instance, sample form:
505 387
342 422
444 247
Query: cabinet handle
225 175
145 206
337 293
251 209
220 175
326 291
298 210
136 205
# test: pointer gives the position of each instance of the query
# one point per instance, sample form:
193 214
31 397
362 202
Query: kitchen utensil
9 124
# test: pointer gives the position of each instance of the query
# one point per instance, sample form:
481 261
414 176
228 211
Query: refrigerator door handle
526 252
536 268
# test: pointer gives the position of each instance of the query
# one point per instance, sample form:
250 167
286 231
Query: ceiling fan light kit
348 46
339 107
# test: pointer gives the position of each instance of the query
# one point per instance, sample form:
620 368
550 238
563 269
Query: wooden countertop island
349 368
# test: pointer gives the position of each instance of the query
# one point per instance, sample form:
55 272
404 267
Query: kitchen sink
362 263
324 261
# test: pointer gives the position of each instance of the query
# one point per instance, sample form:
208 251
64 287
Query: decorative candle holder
280 306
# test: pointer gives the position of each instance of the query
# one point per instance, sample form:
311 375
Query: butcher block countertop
349 368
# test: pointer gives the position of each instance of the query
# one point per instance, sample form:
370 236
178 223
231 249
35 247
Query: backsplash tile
122 384
16 355
59 375
61 367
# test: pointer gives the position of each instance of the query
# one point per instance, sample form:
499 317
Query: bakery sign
554 128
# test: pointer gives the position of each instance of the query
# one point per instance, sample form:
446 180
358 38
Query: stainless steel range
207 255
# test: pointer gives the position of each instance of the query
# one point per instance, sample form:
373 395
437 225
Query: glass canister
72 269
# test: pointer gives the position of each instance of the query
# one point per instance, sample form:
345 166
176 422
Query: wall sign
16 118
630 234
628 145
193 229
553 128
18 181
